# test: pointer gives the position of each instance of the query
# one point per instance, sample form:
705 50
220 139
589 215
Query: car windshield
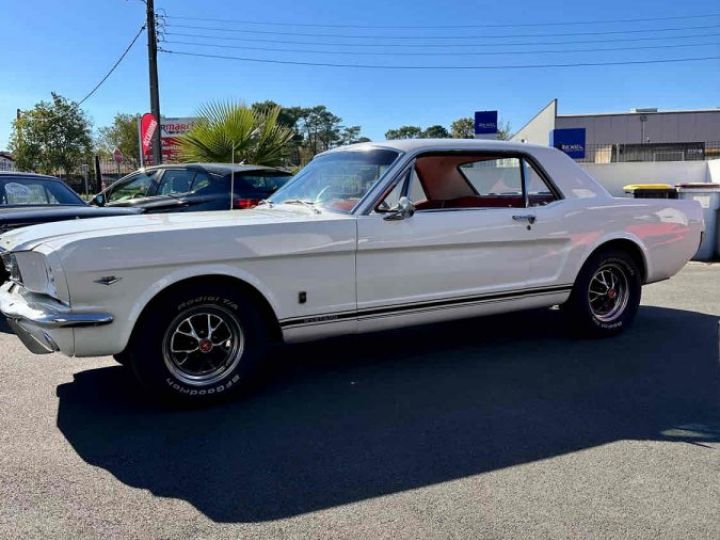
33 191
337 180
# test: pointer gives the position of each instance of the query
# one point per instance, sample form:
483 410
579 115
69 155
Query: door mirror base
403 210
99 200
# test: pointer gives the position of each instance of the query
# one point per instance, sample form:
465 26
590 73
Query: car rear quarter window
538 191
265 182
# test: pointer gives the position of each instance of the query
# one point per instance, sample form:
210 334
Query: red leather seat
514 201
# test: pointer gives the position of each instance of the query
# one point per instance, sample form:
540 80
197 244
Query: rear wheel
606 294
198 345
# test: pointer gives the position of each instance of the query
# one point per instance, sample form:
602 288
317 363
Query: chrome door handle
528 218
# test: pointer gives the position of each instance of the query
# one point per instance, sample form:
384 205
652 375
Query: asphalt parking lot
495 427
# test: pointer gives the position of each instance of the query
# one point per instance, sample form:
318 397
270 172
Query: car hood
63 232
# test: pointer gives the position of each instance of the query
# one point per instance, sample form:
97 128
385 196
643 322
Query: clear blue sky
68 46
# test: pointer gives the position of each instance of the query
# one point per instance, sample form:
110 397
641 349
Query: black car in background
193 187
29 199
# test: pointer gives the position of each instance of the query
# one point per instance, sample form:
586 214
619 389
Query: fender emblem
107 280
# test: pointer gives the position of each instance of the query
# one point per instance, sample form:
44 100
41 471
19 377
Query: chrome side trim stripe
398 309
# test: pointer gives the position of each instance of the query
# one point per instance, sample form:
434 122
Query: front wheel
198 344
606 294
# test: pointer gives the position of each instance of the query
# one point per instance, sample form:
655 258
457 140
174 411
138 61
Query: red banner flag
148 125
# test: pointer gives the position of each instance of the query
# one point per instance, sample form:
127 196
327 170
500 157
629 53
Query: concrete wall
613 176
537 130
713 171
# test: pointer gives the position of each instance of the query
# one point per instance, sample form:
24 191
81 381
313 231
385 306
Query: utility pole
154 92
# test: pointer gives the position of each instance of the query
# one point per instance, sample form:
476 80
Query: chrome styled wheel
203 344
609 292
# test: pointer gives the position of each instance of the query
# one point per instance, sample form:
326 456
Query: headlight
11 267
31 270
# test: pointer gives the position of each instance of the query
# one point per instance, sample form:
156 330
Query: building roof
639 111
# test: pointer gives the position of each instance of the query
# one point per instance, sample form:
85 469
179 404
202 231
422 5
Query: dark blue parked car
193 187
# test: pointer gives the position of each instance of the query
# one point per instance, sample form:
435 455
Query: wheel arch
244 287
630 246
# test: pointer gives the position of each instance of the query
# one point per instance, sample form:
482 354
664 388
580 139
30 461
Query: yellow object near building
630 188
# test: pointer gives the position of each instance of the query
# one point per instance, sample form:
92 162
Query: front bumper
44 325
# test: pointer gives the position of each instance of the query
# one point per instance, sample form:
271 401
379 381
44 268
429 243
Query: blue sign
571 141
485 122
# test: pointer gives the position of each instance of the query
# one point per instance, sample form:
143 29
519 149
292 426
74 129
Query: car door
554 230
173 191
468 239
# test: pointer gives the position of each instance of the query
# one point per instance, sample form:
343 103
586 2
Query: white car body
358 271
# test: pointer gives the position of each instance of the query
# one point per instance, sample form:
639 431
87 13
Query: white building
7 163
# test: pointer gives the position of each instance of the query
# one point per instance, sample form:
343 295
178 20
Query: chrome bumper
34 317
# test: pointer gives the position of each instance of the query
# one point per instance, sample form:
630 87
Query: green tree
52 136
321 128
351 135
504 131
315 129
122 134
404 132
227 128
435 132
463 128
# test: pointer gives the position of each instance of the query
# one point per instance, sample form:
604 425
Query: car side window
201 180
134 187
25 193
538 191
176 181
455 181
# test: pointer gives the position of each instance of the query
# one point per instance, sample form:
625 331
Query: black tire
612 310
224 357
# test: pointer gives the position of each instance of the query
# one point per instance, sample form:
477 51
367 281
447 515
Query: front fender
127 302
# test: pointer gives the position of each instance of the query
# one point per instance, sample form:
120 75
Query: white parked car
366 237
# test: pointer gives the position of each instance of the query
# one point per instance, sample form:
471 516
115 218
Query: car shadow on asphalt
349 419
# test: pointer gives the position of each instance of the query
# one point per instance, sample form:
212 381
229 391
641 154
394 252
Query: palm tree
227 128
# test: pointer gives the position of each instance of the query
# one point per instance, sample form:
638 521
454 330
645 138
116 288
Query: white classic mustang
366 237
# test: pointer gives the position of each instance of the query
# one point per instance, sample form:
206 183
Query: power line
511 66
435 45
447 27
454 53
416 38
115 65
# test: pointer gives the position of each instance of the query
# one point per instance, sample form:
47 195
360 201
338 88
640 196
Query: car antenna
232 175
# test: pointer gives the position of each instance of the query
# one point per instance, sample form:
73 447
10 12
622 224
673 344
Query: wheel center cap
612 293
205 346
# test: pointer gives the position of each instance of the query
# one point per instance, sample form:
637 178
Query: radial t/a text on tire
198 344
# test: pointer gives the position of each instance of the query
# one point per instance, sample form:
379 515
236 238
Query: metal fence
84 179
626 153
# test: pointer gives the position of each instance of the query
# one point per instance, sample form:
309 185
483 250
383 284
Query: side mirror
98 200
403 210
